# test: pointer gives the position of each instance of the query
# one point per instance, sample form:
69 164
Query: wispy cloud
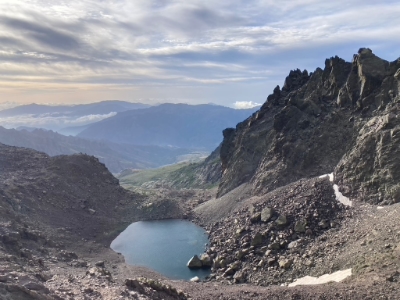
51 121
245 104
124 44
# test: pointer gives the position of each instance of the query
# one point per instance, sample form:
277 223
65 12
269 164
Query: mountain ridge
178 125
316 113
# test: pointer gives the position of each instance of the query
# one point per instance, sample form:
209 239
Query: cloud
51 121
136 44
245 104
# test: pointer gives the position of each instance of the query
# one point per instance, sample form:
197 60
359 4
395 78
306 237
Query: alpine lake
164 246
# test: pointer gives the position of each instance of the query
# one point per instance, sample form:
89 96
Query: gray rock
229 272
257 239
256 217
266 214
100 264
206 260
194 262
274 246
281 221
239 277
285 263
36 287
300 226
323 224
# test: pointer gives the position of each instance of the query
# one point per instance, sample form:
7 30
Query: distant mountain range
98 108
178 125
116 157
63 118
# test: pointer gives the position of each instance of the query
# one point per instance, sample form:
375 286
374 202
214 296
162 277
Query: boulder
206 260
256 217
285 263
281 220
266 214
300 226
257 239
194 262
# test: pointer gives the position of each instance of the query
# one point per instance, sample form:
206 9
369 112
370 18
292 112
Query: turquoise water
164 246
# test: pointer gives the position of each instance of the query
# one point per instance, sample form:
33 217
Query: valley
270 215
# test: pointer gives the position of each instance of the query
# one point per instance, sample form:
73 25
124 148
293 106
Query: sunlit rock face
319 122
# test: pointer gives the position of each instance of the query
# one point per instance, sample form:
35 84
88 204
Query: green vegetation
140 177
181 175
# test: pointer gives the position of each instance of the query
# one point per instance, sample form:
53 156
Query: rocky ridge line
344 112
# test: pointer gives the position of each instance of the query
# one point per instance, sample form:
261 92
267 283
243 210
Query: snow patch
327 175
339 196
309 280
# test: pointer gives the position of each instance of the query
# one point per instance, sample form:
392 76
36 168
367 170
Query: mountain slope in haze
59 117
116 157
103 107
188 175
179 125
343 118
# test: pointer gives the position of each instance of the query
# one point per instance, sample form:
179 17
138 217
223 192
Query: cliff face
316 121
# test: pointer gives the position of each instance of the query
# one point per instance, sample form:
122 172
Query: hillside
343 118
275 218
178 125
116 157
188 175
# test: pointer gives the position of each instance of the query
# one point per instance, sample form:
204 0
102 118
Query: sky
231 53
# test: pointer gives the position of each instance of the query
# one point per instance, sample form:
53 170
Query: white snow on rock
309 280
339 196
327 175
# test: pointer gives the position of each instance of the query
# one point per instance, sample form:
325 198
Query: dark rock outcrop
346 112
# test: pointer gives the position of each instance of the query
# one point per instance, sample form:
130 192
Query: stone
300 226
324 224
266 214
285 263
88 290
281 221
36 287
293 245
239 277
194 262
257 239
134 284
256 217
274 246
99 264
195 279
206 260
229 272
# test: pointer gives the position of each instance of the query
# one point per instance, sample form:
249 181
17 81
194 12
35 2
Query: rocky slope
116 157
274 221
59 214
344 113
196 175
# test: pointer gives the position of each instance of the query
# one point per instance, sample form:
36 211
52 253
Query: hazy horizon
179 51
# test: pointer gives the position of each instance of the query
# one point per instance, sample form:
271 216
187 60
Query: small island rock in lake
194 262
